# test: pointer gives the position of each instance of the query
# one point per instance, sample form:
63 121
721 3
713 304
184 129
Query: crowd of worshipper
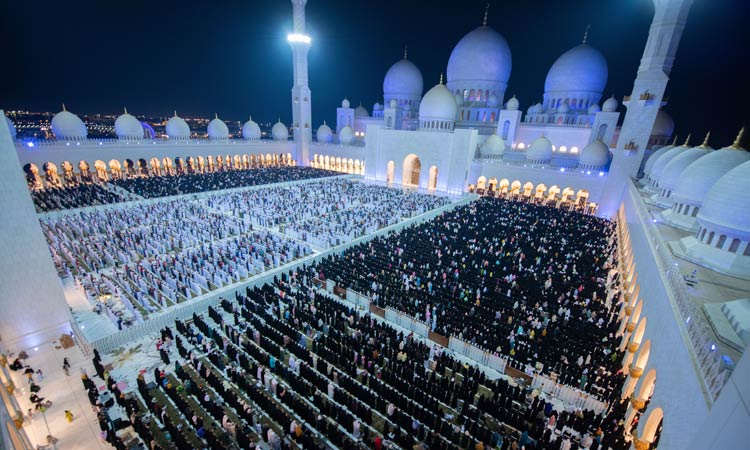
287 366
54 198
83 192
191 183
523 281
326 213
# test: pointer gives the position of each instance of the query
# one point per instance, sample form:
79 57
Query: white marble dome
657 170
594 108
394 103
674 169
377 107
279 131
481 56
703 173
663 125
324 133
11 128
493 146
438 104
403 79
594 156
725 206
361 112
251 130
540 151
345 103
580 69
654 157
492 101
512 104
128 127
67 126
564 108
177 128
346 135
217 129
610 105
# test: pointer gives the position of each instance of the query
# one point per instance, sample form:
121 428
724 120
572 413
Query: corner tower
301 98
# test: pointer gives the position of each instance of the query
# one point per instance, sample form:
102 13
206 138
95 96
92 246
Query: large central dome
580 69
481 56
403 80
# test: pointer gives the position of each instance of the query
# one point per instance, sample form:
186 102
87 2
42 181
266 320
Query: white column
32 301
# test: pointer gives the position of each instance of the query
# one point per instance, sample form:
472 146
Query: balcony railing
693 323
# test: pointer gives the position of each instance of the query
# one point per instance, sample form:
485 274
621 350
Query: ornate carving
637 403
633 347
630 327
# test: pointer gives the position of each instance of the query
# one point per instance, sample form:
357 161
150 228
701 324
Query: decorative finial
250 118
486 12
674 141
738 141
586 33
175 113
441 78
406 50
705 141
687 141
216 115
324 122
125 108
64 107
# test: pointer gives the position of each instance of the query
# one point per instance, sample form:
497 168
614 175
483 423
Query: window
734 245
695 211
710 238
506 129
722 240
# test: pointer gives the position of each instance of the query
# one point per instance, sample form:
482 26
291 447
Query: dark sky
231 56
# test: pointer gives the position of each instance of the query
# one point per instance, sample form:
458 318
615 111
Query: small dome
594 108
361 112
538 108
128 127
540 151
345 103
459 99
11 128
438 104
580 69
324 133
724 205
346 135
512 104
673 170
402 80
564 108
701 175
492 101
251 130
657 170
377 107
177 128
610 105
407 107
655 156
217 129
394 103
279 131
493 146
67 126
594 156
482 56
663 125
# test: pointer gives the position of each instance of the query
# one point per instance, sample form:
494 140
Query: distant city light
297 37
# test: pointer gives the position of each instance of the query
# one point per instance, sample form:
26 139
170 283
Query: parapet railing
693 323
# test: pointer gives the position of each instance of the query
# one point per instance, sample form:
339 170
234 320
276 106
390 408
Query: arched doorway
412 169
432 185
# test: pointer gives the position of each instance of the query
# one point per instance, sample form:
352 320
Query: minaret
646 98
301 115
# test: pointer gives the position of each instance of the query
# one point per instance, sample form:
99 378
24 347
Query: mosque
678 206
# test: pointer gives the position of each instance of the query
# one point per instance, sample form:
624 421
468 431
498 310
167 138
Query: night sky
231 56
